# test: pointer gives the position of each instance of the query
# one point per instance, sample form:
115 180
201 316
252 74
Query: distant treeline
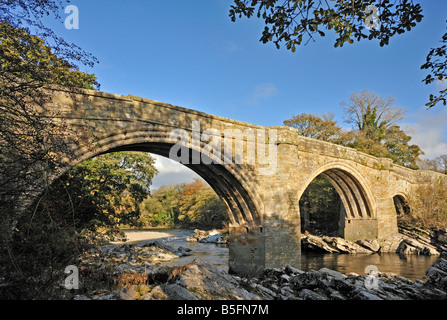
193 205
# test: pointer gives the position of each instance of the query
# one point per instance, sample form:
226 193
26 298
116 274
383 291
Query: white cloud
171 172
261 92
428 129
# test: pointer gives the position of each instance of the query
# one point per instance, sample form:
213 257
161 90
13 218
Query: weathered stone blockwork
263 208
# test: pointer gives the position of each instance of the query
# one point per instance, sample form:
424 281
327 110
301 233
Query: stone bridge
261 187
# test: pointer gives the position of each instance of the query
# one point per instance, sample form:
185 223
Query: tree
375 130
294 22
96 196
161 209
371 114
32 16
399 149
442 160
32 56
185 205
103 192
428 206
436 63
27 65
312 126
29 141
438 164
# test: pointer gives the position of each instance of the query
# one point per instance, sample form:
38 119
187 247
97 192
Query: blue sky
189 53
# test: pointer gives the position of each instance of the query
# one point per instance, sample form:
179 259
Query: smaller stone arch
401 204
353 190
358 215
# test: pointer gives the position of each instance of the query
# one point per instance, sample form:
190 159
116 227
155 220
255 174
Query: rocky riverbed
129 272
407 241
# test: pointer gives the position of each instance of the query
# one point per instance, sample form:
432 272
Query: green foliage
33 16
96 196
186 206
25 59
28 144
101 193
161 208
293 21
33 243
27 138
376 131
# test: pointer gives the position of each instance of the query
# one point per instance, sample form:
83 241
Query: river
412 267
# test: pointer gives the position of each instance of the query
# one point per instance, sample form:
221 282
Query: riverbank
139 272
202 281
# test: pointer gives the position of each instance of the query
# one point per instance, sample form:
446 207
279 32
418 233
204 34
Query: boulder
206 281
391 243
441 236
437 273
179 252
201 234
370 244
307 294
345 246
201 280
412 246
129 293
315 243
169 291
360 293
219 238
331 245
332 273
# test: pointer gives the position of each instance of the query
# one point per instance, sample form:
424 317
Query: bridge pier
270 245
360 229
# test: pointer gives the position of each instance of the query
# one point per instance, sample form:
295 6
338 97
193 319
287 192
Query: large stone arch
230 182
358 215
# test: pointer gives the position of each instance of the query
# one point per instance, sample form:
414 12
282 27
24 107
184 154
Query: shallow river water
412 267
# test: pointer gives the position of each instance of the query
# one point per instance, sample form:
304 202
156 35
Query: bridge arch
230 182
401 204
358 210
